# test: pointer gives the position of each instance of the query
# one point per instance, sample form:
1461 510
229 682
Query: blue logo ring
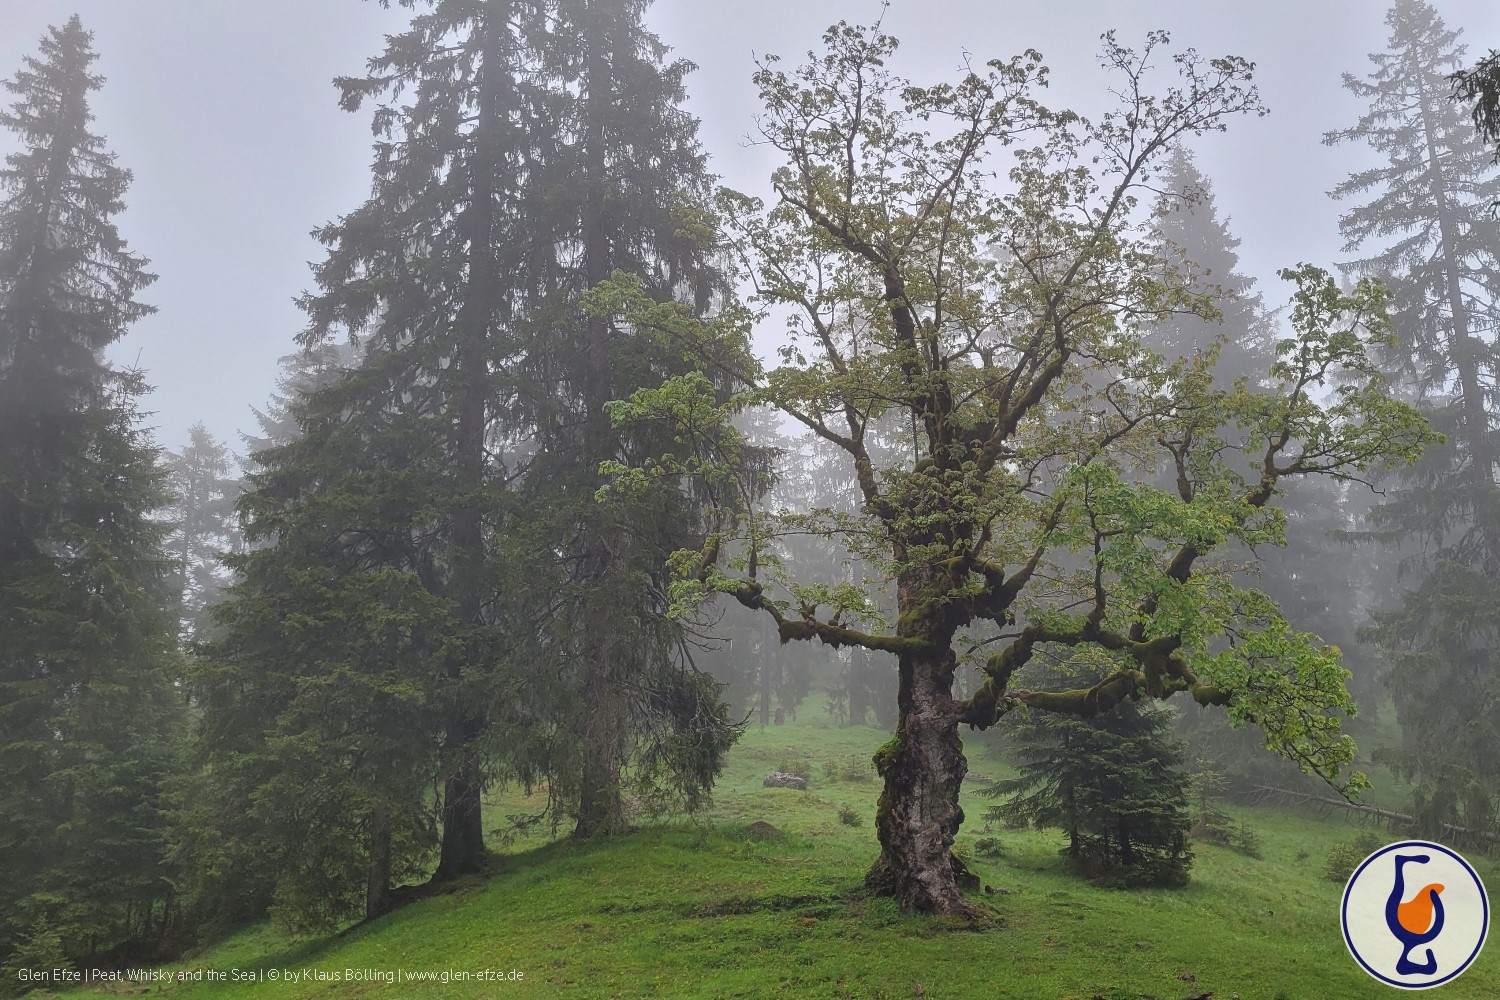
1425 845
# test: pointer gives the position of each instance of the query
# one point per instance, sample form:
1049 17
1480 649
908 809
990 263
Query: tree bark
764 671
462 850
918 816
378 873
463 826
601 809
601 806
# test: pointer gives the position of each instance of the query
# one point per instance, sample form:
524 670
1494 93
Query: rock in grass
761 830
780 779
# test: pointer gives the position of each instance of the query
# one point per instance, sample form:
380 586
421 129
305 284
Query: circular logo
1414 915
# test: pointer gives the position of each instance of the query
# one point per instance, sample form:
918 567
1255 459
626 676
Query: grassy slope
705 912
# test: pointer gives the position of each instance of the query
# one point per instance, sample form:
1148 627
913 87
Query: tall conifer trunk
859 686
1463 347
378 874
601 810
463 829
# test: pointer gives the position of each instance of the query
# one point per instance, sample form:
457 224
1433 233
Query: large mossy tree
995 305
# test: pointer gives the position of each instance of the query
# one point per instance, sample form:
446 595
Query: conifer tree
1423 218
426 547
319 711
1115 784
202 513
624 189
1479 85
1190 233
227 858
370 576
87 614
303 372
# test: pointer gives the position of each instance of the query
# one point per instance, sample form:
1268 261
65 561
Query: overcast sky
226 113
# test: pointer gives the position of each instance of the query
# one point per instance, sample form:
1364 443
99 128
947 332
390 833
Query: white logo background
1465 912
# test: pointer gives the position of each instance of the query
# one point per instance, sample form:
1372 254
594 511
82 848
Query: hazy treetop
227 115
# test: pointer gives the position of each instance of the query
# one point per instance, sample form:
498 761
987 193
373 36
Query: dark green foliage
1479 85
364 649
227 863
1345 856
1114 783
623 189
432 592
1425 221
323 690
89 716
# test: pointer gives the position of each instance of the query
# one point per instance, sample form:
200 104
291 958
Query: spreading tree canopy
965 257
1315 579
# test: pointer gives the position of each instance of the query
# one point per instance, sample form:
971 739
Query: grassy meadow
728 908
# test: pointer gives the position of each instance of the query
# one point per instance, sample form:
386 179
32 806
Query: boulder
780 779
761 830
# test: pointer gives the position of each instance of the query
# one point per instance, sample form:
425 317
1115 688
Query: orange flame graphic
1416 915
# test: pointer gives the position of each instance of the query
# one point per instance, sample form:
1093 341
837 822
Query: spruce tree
624 190
1424 220
303 372
433 273
229 860
1479 86
1193 238
1115 784
88 715
319 712
202 512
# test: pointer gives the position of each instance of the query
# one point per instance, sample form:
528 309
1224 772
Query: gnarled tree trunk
923 767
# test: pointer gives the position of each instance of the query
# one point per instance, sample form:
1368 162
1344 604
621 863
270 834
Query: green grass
706 911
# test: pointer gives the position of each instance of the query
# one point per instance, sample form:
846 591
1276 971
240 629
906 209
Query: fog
227 116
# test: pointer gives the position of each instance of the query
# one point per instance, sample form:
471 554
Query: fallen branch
1391 816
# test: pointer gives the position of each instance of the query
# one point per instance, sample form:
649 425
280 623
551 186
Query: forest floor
723 908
